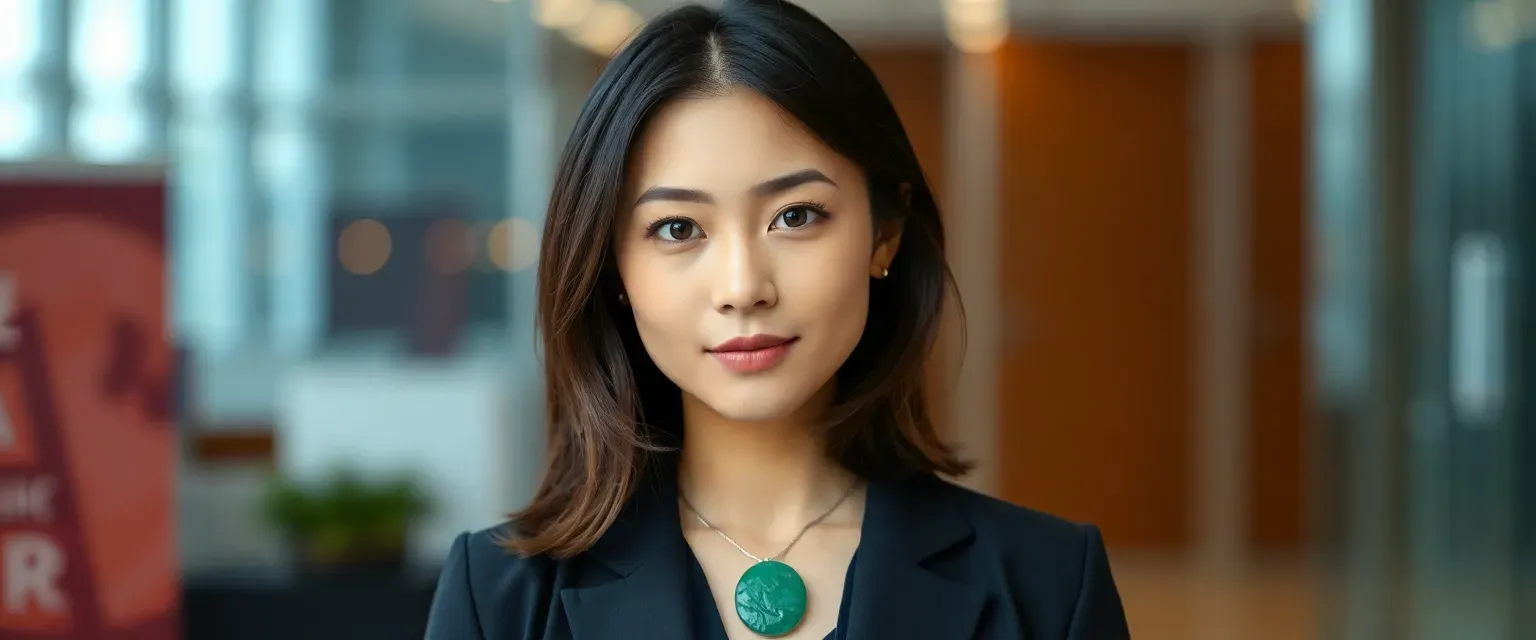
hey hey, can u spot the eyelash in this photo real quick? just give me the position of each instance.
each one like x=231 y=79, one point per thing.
x=654 y=228
x=817 y=207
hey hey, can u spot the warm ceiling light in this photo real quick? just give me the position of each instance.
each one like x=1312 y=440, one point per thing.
x=513 y=244
x=1304 y=8
x=561 y=14
x=606 y=27
x=1495 y=24
x=363 y=247
x=976 y=26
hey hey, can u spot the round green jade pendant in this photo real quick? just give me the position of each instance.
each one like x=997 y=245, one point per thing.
x=770 y=598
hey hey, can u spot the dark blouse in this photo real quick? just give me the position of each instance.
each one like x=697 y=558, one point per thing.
x=706 y=616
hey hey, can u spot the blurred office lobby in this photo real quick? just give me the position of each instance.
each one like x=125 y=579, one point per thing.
x=1254 y=275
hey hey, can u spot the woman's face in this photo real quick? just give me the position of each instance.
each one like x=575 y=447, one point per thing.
x=746 y=250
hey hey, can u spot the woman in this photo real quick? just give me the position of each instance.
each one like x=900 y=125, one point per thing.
x=742 y=274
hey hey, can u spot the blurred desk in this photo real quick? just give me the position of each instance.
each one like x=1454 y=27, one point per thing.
x=271 y=603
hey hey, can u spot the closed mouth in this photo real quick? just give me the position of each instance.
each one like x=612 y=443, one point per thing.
x=751 y=343
x=753 y=355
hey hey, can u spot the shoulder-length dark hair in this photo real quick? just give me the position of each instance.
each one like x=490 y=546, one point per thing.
x=611 y=412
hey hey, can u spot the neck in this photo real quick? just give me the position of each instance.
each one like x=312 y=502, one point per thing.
x=760 y=480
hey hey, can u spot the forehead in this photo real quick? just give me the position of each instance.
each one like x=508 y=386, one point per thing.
x=728 y=142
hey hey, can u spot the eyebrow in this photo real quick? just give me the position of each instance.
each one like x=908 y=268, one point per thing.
x=771 y=187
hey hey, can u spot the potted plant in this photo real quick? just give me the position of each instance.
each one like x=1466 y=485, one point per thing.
x=346 y=523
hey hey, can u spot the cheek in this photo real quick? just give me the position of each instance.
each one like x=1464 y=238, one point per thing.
x=659 y=323
x=665 y=313
x=831 y=287
x=650 y=299
x=831 y=290
x=837 y=270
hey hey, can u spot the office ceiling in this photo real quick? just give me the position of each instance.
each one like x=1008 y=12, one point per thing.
x=919 y=20
x=925 y=18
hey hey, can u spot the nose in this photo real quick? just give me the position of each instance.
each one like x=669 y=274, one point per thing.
x=744 y=279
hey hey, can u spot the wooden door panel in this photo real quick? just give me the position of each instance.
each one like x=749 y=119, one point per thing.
x=1095 y=226
x=1277 y=205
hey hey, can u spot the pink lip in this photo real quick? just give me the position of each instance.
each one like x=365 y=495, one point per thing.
x=753 y=353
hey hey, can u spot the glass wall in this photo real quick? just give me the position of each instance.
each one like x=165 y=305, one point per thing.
x=1425 y=192
x=1466 y=420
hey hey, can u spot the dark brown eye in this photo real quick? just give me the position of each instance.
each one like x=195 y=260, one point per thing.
x=677 y=230
x=796 y=217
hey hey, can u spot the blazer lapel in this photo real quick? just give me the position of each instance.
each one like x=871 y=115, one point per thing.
x=894 y=596
x=647 y=598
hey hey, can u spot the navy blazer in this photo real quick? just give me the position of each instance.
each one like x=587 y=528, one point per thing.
x=936 y=562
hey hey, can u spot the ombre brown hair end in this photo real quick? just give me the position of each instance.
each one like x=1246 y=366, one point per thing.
x=613 y=417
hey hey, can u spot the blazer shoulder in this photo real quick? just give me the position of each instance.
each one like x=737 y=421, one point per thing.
x=483 y=585
x=493 y=566
x=1059 y=567
x=996 y=520
x=1049 y=552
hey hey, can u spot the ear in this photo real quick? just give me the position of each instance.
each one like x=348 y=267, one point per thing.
x=888 y=235
x=887 y=241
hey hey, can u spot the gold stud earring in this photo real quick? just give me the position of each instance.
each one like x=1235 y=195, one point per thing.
x=884 y=272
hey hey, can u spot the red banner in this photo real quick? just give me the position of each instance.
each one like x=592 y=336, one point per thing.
x=87 y=444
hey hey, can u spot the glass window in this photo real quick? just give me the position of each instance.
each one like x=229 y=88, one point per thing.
x=21 y=47
x=110 y=57
x=282 y=121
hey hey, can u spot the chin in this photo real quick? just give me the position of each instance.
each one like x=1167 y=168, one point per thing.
x=761 y=411
x=757 y=402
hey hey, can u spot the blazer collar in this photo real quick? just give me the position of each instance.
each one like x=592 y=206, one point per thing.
x=645 y=549
x=894 y=596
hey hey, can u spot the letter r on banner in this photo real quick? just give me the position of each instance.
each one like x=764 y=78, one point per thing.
x=31 y=583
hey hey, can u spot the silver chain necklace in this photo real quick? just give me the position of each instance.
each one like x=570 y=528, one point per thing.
x=787 y=547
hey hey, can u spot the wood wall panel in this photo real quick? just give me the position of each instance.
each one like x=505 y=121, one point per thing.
x=1277 y=187
x=1095 y=226
x=913 y=77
